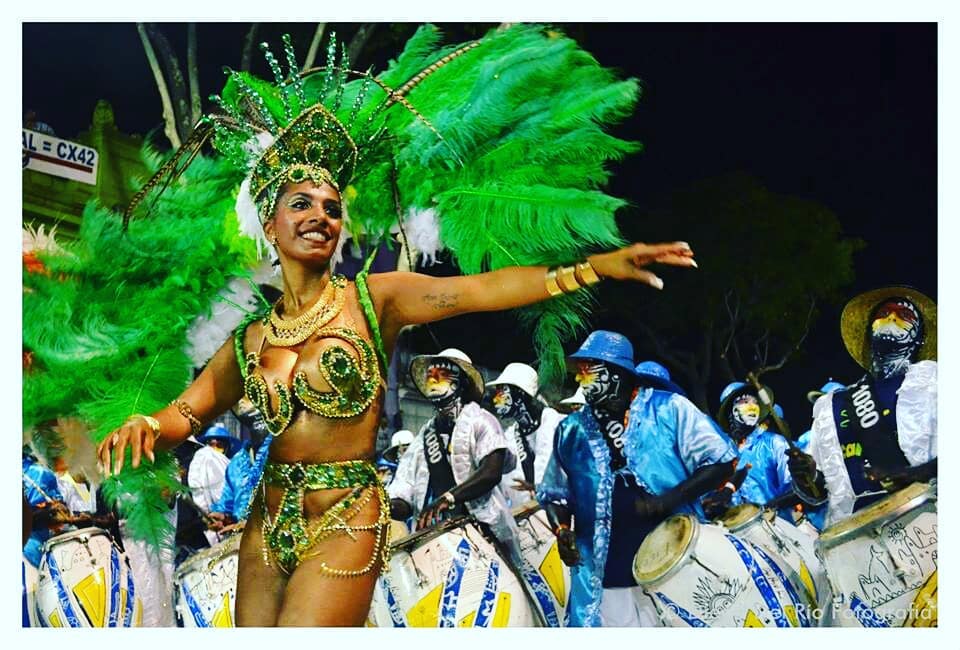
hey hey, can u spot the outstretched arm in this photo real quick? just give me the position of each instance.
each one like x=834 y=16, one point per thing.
x=412 y=298
x=218 y=387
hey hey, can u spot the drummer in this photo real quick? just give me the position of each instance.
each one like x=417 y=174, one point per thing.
x=241 y=478
x=455 y=463
x=532 y=424
x=399 y=442
x=43 y=494
x=619 y=474
x=762 y=451
x=879 y=434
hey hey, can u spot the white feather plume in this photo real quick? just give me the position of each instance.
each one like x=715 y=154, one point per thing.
x=209 y=331
x=423 y=233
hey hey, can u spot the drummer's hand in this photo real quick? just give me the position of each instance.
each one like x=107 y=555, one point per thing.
x=233 y=528
x=217 y=520
x=655 y=506
x=432 y=514
x=567 y=546
x=803 y=468
x=135 y=433
x=717 y=502
x=520 y=485
x=627 y=263
x=891 y=481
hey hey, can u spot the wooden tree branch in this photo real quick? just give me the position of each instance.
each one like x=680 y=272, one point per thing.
x=358 y=41
x=796 y=346
x=733 y=313
x=169 y=119
x=177 y=85
x=314 y=46
x=248 y=44
x=192 y=73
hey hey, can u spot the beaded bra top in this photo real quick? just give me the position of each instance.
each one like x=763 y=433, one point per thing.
x=355 y=379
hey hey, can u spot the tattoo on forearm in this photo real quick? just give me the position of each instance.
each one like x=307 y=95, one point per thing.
x=442 y=300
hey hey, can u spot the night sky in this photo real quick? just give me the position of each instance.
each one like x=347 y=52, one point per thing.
x=843 y=114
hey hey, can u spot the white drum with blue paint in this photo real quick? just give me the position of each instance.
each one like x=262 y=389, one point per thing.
x=791 y=545
x=28 y=603
x=882 y=561
x=205 y=592
x=449 y=576
x=701 y=575
x=85 y=581
x=546 y=576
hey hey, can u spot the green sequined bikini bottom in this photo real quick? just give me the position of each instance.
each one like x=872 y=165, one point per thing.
x=288 y=538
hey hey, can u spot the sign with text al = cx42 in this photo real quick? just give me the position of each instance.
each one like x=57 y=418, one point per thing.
x=50 y=155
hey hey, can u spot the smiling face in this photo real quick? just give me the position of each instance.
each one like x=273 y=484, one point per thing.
x=442 y=381
x=306 y=223
x=503 y=401
x=603 y=384
x=746 y=411
x=895 y=322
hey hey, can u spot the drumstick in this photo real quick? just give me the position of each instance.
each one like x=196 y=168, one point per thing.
x=765 y=398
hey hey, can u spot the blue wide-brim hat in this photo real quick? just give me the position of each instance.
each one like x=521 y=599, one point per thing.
x=220 y=433
x=610 y=347
x=732 y=392
x=658 y=377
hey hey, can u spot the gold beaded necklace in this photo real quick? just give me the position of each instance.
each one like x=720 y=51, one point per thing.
x=285 y=333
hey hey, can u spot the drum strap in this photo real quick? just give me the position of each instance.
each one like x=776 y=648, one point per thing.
x=867 y=431
x=438 y=463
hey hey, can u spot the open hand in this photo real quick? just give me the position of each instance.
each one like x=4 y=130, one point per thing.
x=135 y=433
x=520 y=486
x=433 y=513
x=717 y=502
x=628 y=263
x=803 y=468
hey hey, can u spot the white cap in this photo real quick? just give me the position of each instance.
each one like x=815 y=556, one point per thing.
x=520 y=375
x=576 y=398
x=401 y=437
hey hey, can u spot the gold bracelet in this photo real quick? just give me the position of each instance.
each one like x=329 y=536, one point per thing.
x=551 y=280
x=195 y=425
x=586 y=274
x=152 y=422
x=567 y=278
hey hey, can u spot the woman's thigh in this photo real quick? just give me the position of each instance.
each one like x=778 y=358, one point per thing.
x=316 y=597
x=259 y=586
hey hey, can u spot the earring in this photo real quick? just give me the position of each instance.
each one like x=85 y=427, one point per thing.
x=274 y=240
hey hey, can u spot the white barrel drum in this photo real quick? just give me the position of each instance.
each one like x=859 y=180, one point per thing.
x=793 y=546
x=85 y=581
x=546 y=576
x=449 y=576
x=882 y=561
x=205 y=591
x=28 y=603
x=701 y=575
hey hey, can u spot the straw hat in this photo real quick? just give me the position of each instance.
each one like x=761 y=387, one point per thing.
x=854 y=321
x=474 y=388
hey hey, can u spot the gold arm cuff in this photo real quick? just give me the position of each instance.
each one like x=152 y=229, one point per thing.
x=195 y=425
x=551 y=282
x=567 y=277
x=586 y=274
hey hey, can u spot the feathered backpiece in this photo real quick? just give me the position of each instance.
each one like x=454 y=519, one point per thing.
x=499 y=142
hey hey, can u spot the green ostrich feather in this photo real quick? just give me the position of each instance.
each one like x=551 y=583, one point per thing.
x=108 y=325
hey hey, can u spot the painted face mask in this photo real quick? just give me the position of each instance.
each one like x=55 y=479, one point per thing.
x=443 y=381
x=602 y=384
x=504 y=404
x=746 y=411
x=896 y=333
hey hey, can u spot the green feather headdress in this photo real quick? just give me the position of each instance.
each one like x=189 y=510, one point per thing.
x=494 y=150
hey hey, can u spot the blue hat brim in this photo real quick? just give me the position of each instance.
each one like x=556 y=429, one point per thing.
x=661 y=383
x=571 y=362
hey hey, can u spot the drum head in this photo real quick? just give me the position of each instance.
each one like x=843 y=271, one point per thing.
x=663 y=549
x=83 y=533
x=875 y=514
x=739 y=516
